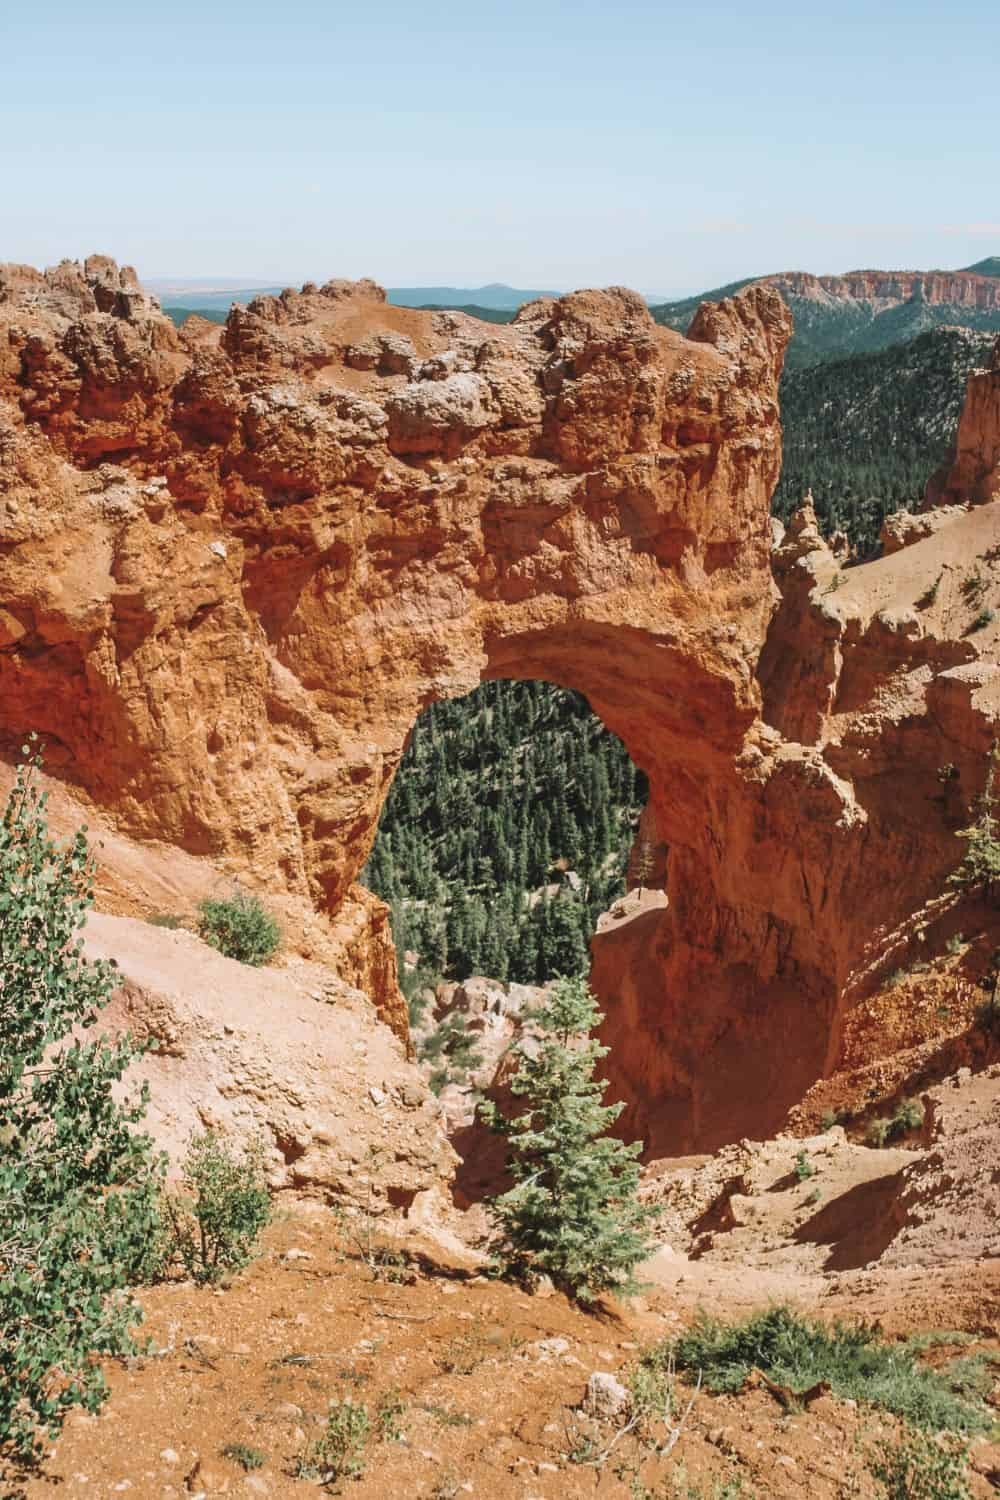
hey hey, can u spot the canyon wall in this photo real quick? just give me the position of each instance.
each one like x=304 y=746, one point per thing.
x=880 y=290
x=237 y=562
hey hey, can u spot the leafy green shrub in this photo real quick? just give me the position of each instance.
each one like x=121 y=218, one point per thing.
x=908 y=1115
x=240 y=927
x=799 y=1353
x=985 y=617
x=215 y=1225
x=340 y=1452
x=573 y=1211
x=390 y=1415
x=919 y=1467
x=247 y=1458
x=78 y=1186
x=804 y=1168
x=955 y=943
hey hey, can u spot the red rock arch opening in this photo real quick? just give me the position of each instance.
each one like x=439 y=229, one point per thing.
x=237 y=562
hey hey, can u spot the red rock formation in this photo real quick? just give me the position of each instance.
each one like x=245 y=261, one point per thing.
x=885 y=289
x=972 y=471
x=237 y=563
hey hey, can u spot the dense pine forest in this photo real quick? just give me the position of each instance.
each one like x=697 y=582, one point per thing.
x=866 y=433
x=506 y=834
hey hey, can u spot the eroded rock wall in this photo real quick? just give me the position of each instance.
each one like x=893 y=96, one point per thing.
x=237 y=562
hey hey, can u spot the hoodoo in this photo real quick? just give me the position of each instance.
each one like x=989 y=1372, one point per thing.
x=236 y=562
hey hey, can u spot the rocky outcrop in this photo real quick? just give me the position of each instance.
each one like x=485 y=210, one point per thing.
x=290 y=1056
x=971 y=472
x=237 y=562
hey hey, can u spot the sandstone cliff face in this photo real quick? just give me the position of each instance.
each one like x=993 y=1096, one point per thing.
x=884 y=289
x=972 y=470
x=237 y=562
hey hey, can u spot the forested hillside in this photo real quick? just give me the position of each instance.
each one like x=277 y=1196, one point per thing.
x=506 y=833
x=830 y=328
x=866 y=433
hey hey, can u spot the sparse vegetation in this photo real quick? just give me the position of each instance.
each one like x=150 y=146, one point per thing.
x=340 y=1452
x=573 y=1212
x=985 y=617
x=804 y=1168
x=929 y=596
x=214 y=1225
x=78 y=1184
x=247 y=1458
x=980 y=868
x=920 y=1467
x=799 y=1354
x=453 y=1049
x=390 y=1414
x=973 y=585
x=955 y=943
x=168 y=919
x=908 y=1115
x=240 y=927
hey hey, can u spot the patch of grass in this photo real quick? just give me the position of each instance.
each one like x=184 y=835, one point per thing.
x=799 y=1353
x=935 y=1337
x=919 y=1467
x=240 y=927
x=168 y=919
x=247 y=1458
x=971 y=1375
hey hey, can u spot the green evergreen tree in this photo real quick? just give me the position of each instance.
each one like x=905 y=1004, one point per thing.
x=573 y=1212
x=980 y=868
x=78 y=1186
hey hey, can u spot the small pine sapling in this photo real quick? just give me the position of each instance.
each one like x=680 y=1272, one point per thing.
x=980 y=868
x=573 y=1212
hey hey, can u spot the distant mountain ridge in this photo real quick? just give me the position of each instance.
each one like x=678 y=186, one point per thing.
x=497 y=296
x=864 y=311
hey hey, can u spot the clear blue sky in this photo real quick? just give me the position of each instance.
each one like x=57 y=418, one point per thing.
x=668 y=146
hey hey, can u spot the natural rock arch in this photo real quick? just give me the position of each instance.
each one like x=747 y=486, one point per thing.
x=238 y=561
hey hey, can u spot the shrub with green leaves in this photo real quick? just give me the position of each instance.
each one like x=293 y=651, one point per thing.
x=908 y=1115
x=920 y=1467
x=798 y=1353
x=241 y=927
x=78 y=1184
x=216 y=1223
x=339 y=1453
x=573 y=1211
